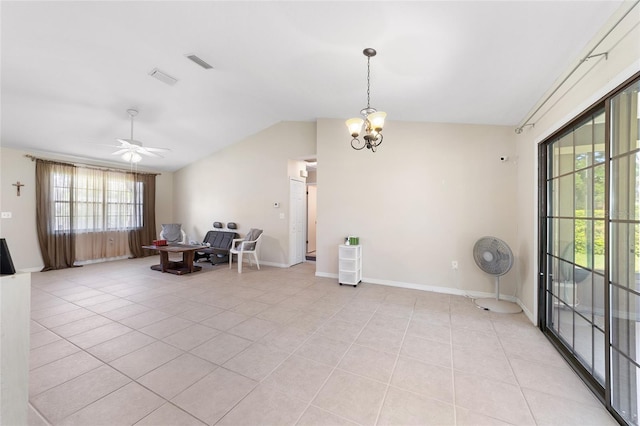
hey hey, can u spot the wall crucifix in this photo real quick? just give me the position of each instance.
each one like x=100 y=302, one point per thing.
x=18 y=185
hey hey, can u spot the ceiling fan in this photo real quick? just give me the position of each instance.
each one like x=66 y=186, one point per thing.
x=130 y=149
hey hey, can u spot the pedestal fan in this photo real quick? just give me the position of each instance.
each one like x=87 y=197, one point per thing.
x=494 y=257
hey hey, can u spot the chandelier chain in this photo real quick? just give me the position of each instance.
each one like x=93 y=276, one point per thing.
x=368 y=80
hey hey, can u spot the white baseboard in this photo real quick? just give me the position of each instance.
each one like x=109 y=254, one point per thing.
x=276 y=264
x=424 y=287
x=527 y=312
x=281 y=265
x=33 y=269
x=438 y=289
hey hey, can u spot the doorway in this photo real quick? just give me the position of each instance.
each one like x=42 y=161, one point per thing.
x=297 y=215
x=312 y=194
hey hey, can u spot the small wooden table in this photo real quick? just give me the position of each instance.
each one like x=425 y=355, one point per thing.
x=178 y=268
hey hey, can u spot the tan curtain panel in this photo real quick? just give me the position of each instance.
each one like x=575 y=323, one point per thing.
x=144 y=233
x=54 y=219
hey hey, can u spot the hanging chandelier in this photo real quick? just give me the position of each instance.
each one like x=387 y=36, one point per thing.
x=373 y=120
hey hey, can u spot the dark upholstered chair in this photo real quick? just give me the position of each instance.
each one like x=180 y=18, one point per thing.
x=219 y=243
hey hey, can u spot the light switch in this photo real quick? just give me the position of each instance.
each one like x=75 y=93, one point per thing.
x=281 y=215
x=6 y=215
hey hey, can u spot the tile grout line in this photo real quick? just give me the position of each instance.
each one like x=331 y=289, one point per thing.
x=333 y=369
x=395 y=364
x=514 y=373
x=315 y=333
x=453 y=370
x=258 y=383
x=131 y=379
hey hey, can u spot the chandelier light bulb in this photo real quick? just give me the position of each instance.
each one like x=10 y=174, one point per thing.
x=355 y=126
x=377 y=120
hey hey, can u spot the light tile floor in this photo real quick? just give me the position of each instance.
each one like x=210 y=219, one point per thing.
x=119 y=344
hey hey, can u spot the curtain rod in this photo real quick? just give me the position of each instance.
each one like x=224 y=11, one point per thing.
x=88 y=166
x=588 y=56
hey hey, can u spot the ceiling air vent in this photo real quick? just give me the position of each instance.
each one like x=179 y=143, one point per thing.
x=199 y=61
x=163 y=77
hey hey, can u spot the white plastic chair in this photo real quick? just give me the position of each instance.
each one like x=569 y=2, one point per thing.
x=242 y=246
x=183 y=236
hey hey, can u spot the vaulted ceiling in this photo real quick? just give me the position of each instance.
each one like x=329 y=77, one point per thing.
x=70 y=70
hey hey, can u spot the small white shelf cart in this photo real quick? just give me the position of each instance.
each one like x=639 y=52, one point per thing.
x=349 y=264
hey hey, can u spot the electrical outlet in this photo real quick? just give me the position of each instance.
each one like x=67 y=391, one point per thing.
x=454 y=264
x=6 y=215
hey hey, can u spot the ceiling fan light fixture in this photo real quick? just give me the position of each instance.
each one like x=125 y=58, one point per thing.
x=131 y=157
x=131 y=149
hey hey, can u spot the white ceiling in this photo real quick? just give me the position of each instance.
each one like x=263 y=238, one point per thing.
x=70 y=70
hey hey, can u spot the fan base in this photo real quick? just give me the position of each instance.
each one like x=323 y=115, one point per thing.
x=498 y=306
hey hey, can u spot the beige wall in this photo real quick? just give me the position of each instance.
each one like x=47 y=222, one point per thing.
x=591 y=82
x=240 y=184
x=419 y=203
x=20 y=230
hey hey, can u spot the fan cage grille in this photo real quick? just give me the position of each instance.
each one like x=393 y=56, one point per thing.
x=493 y=256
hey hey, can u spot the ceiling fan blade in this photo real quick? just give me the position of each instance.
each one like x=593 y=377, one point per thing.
x=121 y=151
x=124 y=142
x=144 y=151
x=157 y=149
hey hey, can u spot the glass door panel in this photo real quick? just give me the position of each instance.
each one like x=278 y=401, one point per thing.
x=584 y=341
x=565 y=154
x=624 y=266
x=599 y=138
x=584 y=193
x=583 y=139
x=576 y=222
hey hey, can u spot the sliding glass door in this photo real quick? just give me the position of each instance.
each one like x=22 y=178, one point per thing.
x=625 y=253
x=590 y=247
x=575 y=248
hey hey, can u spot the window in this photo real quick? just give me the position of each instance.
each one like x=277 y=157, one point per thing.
x=91 y=200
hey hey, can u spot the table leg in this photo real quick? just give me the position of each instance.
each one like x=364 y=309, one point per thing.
x=164 y=260
x=187 y=259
